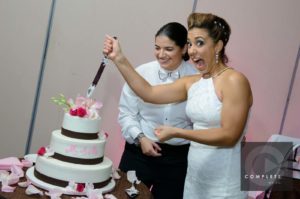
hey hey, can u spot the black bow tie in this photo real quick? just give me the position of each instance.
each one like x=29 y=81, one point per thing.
x=163 y=75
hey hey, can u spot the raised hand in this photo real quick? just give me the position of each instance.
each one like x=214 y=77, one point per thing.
x=164 y=133
x=111 y=48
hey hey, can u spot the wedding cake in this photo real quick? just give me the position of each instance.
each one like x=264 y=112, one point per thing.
x=74 y=160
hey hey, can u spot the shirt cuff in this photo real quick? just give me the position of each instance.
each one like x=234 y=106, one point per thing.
x=133 y=133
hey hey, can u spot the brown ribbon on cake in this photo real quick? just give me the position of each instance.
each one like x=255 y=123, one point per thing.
x=77 y=160
x=62 y=183
x=77 y=135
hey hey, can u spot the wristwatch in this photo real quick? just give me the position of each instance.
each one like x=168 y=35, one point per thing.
x=137 y=139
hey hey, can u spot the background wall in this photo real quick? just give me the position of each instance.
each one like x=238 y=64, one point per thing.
x=22 y=35
x=263 y=45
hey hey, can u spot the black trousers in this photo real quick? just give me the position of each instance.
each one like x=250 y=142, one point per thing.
x=165 y=174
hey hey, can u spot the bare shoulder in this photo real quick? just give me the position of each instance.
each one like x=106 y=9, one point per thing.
x=235 y=82
x=234 y=77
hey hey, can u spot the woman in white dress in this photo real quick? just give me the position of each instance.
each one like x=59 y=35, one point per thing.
x=218 y=102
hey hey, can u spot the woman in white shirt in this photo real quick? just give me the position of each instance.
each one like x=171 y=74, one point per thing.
x=162 y=167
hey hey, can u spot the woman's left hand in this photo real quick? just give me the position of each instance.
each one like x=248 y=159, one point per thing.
x=164 y=133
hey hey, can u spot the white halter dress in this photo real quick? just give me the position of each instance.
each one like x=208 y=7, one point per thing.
x=213 y=172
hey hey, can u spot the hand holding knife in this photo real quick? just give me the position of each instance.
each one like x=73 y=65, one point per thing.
x=97 y=77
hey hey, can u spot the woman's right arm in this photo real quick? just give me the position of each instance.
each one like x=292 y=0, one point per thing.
x=162 y=94
x=129 y=114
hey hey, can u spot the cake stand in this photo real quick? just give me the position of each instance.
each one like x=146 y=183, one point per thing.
x=37 y=182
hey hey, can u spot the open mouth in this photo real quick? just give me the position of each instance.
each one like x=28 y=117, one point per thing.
x=199 y=63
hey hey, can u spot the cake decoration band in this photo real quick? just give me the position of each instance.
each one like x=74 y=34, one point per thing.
x=77 y=135
x=77 y=160
x=62 y=183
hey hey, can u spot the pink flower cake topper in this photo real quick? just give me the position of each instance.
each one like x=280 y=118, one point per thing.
x=81 y=107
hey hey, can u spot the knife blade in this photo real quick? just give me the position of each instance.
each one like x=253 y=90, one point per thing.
x=96 y=78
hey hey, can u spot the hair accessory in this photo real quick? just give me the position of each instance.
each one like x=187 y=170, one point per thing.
x=222 y=27
x=219 y=24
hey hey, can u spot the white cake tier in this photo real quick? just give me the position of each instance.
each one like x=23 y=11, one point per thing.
x=77 y=148
x=81 y=125
x=74 y=172
x=47 y=186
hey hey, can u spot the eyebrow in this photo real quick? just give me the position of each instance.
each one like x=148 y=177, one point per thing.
x=200 y=37
x=164 y=46
x=196 y=38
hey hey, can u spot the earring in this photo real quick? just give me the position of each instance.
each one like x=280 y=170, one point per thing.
x=217 y=58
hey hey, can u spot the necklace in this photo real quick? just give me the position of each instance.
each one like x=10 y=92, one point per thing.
x=220 y=72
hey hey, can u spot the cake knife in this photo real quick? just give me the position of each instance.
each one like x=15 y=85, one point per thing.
x=97 y=77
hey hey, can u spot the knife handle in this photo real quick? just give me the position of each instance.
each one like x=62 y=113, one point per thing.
x=99 y=73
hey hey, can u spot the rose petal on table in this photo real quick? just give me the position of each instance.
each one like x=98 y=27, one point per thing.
x=13 y=179
x=6 y=163
x=7 y=188
x=109 y=196
x=94 y=194
x=3 y=175
x=24 y=184
x=132 y=191
x=115 y=174
x=16 y=170
x=27 y=163
x=31 y=190
x=55 y=193
x=131 y=177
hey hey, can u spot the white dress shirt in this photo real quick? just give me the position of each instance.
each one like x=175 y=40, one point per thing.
x=137 y=116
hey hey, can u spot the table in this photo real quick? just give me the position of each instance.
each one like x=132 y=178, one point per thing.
x=119 y=191
x=292 y=194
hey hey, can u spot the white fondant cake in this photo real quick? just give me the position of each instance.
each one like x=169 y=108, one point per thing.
x=78 y=173
x=71 y=147
x=82 y=125
x=75 y=155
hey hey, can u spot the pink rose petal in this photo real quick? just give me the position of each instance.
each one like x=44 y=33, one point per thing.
x=31 y=190
x=116 y=175
x=27 y=163
x=7 y=188
x=109 y=196
x=55 y=193
x=17 y=171
x=24 y=184
x=12 y=179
